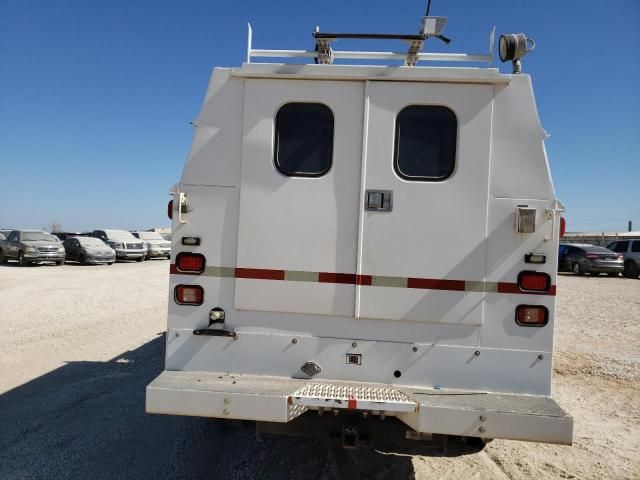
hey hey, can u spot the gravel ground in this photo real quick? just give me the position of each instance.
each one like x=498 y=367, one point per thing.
x=80 y=343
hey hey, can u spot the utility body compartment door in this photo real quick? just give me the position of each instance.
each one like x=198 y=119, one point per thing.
x=297 y=236
x=424 y=259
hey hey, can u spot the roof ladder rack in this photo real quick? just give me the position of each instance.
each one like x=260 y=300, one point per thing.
x=324 y=54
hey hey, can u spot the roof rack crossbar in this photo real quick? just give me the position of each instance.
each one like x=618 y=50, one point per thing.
x=371 y=36
x=324 y=54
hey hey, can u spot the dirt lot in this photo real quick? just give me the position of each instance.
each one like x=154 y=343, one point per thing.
x=79 y=344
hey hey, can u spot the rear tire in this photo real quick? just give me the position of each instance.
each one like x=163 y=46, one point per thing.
x=110 y=263
x=577 y=270
x=595 y=274
x=612 y=274
x=60 y=263
x=140 y=259
x=630 y=270
x=82 y=259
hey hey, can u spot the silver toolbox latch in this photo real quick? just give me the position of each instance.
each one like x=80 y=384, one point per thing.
x=378 y=200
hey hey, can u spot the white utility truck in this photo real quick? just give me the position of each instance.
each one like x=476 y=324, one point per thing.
x=367 y=252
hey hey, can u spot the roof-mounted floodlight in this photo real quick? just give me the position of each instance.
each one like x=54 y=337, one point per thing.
x=433 y=26
x=512 y=47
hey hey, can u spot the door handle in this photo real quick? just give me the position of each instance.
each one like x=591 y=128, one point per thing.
x=378 y=200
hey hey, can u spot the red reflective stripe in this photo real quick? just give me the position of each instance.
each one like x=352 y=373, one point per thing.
x=505 y=287
x=435 y=284
x=260 y=273
x=326 y=277
x=366 y=280
x=352 y=403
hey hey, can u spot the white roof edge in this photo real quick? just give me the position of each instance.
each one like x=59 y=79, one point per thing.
x=371 y=72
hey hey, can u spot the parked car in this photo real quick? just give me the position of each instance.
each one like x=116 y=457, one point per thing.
x=127 y=246
x=630 y=251
x=89 y=250
x=31 y=246
x=584 y=258
x=64 y=235
x=562 y=252
x=157 y=246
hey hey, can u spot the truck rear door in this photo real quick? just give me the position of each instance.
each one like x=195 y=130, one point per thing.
x=299 y=196
x=423 y=203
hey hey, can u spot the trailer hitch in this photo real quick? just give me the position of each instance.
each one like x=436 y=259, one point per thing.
x=350 y=436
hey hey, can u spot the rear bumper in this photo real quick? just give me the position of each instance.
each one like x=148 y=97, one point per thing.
x=606 y=268
x=281 y=399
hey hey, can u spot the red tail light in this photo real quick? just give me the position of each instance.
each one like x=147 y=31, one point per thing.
x=532 y=315
x=534 y=281
x=563 y=226
x=190 y=262
x=592 y=256
x=188 y=294
x=170 y=209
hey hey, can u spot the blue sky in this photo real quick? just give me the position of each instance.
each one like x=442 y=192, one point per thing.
x=96 y=97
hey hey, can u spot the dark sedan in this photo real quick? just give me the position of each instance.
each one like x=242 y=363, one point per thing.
x=582 y=258
x=89 y=250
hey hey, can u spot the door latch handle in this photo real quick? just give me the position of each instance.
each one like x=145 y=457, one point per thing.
x=378 y=200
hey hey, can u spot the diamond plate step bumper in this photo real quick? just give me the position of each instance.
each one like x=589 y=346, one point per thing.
x=353 y=397
x=281 y=399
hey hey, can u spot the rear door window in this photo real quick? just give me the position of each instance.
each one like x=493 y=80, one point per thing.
x=635 y=246
x=304 y=140
x=622 y=247
x=425 y=143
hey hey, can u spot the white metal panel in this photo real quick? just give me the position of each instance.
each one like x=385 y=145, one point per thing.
x=436 y=229
x=214 y=158
x=223 y=396
x=220 y=292
x=295 y=297
x=506 y=250
x=519 y=161
x=515 y=417
x=276 y=354
x=293 y=223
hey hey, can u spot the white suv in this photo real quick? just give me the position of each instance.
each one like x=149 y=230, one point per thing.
x=630 y=249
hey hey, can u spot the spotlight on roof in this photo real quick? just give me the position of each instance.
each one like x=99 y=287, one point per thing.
x=513 y=46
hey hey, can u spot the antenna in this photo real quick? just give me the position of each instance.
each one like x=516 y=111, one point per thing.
x=428 y=8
